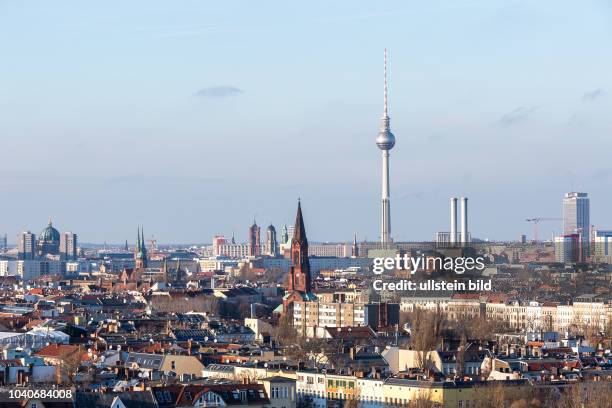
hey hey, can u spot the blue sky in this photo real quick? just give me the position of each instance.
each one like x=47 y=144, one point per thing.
x=191 y=117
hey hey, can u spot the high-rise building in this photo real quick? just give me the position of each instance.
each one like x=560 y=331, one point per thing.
x=284 y=234
x=254 y=239
x=576 y=219
x=68 y=246
x=26 y=246
x=217 y=242
x=385 y=142
x=271 y=242
x=567 y=248
x=602 y=244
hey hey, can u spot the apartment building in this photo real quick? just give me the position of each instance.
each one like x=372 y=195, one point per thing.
x=584 y=311
x=312 y=318
x=280 y=391
x=324 y=390
x=314 y=314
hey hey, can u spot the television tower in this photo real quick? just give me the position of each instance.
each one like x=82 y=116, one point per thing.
x=385 y=142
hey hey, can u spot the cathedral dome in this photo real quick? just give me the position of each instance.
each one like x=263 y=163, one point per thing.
x=49 y=234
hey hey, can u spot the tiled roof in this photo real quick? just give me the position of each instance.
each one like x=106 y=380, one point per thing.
x=56 y=350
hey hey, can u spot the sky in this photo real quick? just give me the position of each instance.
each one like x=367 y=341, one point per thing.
x=191 y=118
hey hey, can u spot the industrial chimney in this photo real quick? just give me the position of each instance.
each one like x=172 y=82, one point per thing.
x=453 y=226
x=464 y=220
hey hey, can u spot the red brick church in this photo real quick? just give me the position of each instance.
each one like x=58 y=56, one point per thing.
x=299 y=280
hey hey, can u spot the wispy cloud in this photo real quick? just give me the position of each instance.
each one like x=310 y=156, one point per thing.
x=594 y=94
x=220 y=91
x=518 y=115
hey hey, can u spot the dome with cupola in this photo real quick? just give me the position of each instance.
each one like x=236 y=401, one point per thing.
x=49 y=240
x=50 y=234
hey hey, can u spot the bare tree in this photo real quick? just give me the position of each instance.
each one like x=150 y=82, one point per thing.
x=333 y=349
x=69 y=366
x=592 y=395
x=423 y=401
x=426 y=333
x=284 y=333
x=461 y=357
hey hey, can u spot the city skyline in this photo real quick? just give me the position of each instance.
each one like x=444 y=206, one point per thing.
x=135 y=130
x=572 y=213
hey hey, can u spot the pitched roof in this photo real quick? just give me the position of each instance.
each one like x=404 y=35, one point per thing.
x=231 y=394
x=57 y=350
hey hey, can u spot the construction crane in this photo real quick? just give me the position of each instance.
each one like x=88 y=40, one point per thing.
x=537 y=221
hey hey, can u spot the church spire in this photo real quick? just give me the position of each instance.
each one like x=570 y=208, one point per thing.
x=299 y=282
x=140 y=252
x=355 y=247
x=299 y=232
